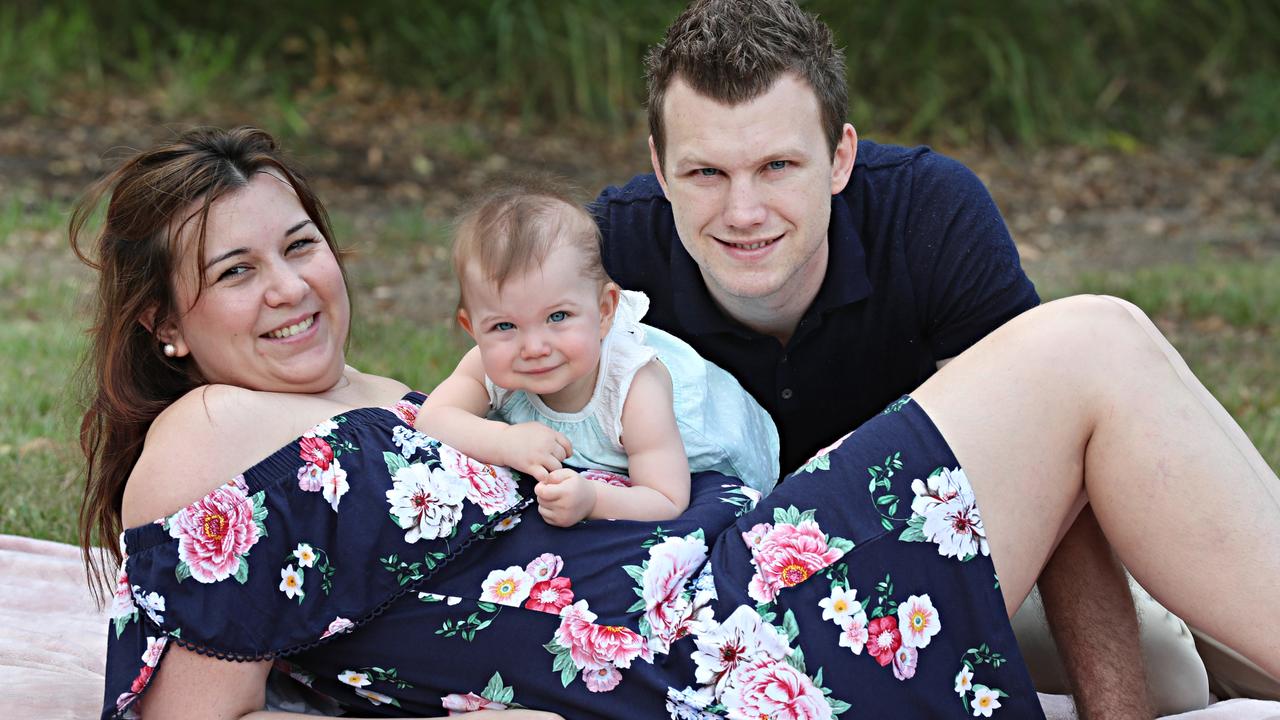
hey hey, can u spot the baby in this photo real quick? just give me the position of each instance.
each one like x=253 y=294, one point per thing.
x=564 y=375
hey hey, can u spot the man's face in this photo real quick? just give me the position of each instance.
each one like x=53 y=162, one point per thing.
x=751 y=187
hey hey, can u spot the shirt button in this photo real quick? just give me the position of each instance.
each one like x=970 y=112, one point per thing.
x=786 y=393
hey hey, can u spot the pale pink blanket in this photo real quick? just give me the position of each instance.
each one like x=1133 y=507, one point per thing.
x=53 y=641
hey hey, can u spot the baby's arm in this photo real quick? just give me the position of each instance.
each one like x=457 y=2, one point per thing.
x=455 y=412
x=655 y=453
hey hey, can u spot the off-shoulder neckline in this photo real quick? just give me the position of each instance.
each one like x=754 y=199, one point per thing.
x=281 y=464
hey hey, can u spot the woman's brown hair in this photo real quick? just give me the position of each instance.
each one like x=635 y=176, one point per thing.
x=152 y=198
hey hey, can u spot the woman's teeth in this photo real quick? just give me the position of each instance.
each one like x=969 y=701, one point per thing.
x=292 y=329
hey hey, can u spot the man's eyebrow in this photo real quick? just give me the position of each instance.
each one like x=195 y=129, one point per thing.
x=240 y=250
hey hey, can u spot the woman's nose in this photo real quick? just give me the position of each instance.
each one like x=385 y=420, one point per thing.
x=286 y=286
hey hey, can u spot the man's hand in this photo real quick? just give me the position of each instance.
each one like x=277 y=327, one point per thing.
x=534 y=449
x=565 y=497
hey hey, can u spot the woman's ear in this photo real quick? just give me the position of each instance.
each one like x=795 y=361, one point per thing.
x=166 y=333
x=609 y=296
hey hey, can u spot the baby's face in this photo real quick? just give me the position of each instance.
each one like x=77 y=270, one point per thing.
x=542 y=332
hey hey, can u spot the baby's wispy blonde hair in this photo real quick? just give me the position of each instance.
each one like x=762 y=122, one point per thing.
x=511 y=230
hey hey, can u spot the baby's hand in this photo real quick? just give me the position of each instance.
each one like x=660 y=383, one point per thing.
x=565 y=497
x=534 y=449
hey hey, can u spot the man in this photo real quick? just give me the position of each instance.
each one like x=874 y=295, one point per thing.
x=831 y=276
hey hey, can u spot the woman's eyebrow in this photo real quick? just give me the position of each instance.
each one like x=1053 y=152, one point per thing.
x=240 y=250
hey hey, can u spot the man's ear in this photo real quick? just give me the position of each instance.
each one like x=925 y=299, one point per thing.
x=464 y=321
x=657 y=167
x=610 y=295
x=842 y=161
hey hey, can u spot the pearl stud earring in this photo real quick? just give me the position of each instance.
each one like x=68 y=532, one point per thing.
x=170 y=350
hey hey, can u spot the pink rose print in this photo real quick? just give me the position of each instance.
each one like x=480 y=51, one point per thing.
x=338 y=626
x=551 y=596
x=545 y=566
x=122 y=601
x=456 y=703
x=787 y=556
x=668 y=611
x=406 y=411
x=144 y=677
x=315 y=451
x=904 y=662
x=884 y=639
x=775 y=690
x=214 y=532
x=602 y=679
x=591 y=645
x=492 y=488
x=606 y=477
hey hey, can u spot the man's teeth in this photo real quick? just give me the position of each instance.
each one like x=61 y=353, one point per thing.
x=756 y=246
x=292 y=329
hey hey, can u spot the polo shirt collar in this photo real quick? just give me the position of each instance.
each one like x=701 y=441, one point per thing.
x=846 y=280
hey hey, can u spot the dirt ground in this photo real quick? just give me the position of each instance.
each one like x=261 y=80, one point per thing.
x=1070 y=209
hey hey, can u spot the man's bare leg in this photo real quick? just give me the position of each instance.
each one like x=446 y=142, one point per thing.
x=1093 y=622
x=1082 y=398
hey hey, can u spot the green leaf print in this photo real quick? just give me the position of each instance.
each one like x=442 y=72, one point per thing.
x=183 y=571
x=394 y=461
x=242 y=570
x=788 y=516
x=790 y=627
x=124 y=620
x=914 y=532
x=839 y=543
x=819 y=462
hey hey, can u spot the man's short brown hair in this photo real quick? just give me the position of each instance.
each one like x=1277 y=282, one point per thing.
x=512 y=229
x=734 y=50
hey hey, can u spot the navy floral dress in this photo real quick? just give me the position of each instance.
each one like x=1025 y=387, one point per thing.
x=389 y=575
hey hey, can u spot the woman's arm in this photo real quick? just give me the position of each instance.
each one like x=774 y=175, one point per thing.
x=455 y=412
x=656 y=458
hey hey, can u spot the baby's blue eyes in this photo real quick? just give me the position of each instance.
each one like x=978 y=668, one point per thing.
x=558 y=316
x=504 y=326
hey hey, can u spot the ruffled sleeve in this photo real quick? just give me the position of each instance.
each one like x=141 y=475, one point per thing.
x=313 y=541
x=624 y=353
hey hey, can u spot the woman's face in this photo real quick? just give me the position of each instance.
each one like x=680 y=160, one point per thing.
x=274 y=312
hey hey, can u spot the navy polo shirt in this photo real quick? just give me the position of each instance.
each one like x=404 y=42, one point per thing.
x=921 y=266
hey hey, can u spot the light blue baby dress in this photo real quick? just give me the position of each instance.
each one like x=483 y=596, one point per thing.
x=723 y=427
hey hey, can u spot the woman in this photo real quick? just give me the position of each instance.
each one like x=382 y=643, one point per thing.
x=280 y=507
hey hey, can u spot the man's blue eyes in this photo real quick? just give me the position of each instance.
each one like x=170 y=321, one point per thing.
x=777 y=164
x=708 y=172
x=772 y=165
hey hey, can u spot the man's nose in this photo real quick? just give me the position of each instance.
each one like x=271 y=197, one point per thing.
x=744 y=207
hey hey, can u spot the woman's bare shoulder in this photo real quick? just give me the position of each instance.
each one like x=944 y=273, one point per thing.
x=215 y=432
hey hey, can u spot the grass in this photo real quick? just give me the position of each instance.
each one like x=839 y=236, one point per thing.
x=1220 y=314
x=1021 y=70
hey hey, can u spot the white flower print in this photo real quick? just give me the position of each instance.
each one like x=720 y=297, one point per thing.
x=985 y=700
x=409 y=440
x=855 y=634
x=918 y=621
x=742 y=638
x=427 y=503
x=333 y=484
x=306 y=555
x=690 y=704
x=291 y=582
x=155 y=648
x=841 y=606
x=704 y=587
x=323 y=428
x=152 y=604
x=353 y=678
x=951 y=518
x=964 y=680
x=376 y=698
x=506 y=523
x=507 y=587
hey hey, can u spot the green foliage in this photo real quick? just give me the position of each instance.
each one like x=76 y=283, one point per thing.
x=1024 y=70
